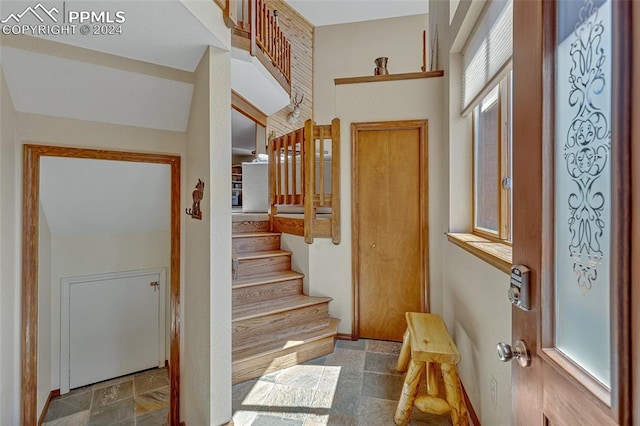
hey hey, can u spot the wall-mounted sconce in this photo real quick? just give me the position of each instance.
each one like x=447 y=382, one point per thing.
x=294 y=115
x=197 y=194
x=275 y=16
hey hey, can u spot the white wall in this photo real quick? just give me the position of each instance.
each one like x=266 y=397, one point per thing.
x=473 y=298
x=44 y=311
x=88 y=254
x=33 y=128
x=10 y=228
x=206 y=396
x=330 y=265
x=348 y=50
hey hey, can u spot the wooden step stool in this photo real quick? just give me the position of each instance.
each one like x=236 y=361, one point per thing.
x=427 y=343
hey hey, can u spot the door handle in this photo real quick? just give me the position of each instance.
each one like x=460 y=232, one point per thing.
x=519 y=351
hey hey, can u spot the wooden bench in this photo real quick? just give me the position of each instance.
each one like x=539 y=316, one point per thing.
x=427 y=344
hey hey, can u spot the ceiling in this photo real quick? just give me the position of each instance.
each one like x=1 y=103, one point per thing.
x=166 y=33
x=49 y=85
x=330 y=12
x=83 y=196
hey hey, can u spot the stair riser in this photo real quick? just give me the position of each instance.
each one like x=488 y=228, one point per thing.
x=261 y=329
x=261 y=243
x=265 y=265
x=250 y=369
x=269 y=291
x=250 y=226
x=291 y=333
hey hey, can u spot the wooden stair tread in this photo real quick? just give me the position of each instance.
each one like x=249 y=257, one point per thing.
x=267 y=279
x=289 y=342
x=282 y=304
x=262 y=254
x=255 y=234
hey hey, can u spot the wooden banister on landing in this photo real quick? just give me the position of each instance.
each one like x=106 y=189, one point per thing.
x=257 y=26
x=304 y=177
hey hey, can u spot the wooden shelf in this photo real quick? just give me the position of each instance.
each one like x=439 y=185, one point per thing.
x=388 y=77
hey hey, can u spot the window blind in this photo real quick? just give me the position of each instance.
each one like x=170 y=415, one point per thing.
x=488 y=49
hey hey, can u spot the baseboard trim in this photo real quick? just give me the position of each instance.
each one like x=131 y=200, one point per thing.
x=344 y=336
x=52 y=394
x=472 y=413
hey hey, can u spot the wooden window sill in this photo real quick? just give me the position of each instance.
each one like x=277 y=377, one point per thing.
x=388 y=77
x=494 y=253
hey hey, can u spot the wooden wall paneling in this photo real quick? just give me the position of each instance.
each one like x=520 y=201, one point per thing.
x=299 y=32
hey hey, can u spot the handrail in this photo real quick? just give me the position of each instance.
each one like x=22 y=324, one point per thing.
x=304 y=172
x=256 y=21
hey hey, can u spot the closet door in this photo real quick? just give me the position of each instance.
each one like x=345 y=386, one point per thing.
x=390 y=227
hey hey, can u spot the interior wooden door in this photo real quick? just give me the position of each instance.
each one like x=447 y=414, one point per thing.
x=571 y=211
x=389 y=226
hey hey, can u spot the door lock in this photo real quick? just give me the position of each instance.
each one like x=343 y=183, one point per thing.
x=519 y=351
x=520 y=287
x=155 y=285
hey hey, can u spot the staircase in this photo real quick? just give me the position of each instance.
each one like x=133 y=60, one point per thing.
x=274 y=324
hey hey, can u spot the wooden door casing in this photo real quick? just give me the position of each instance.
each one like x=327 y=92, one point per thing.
x=554 y=389
x=389 y=202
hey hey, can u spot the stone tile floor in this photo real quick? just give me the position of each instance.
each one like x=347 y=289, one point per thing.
x=140 y=399
x=356 y=385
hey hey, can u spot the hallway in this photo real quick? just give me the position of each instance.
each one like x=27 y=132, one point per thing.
x=356 y=385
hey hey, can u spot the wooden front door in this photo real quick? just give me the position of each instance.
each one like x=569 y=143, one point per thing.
x=571 y=211
x=389 y=193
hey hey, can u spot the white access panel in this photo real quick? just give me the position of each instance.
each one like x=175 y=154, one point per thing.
x=112 y=325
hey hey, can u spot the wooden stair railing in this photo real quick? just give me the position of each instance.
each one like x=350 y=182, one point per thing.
x=299 y=167
x=253 y=20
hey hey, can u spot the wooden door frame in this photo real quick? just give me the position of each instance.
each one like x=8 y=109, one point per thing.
x=533 y=234
x=31 y=198
x=356 y=128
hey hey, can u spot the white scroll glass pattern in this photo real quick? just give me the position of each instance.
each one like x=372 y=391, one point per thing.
x=583 y=184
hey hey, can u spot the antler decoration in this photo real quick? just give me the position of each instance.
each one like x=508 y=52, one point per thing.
x=293 y=116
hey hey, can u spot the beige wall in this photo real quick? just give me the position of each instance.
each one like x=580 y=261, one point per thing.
x=44 y=311
x=348 y=50
x=206 y=396
x=300 y=258
x=330 y=265
x=474 y=302
x=89 y=254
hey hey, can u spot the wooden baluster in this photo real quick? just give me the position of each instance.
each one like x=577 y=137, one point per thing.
x=294 y=176
x=270 y=50
x=263 y=24
x=321 y=177
x=309 y=216
x=303 y=165
x=287 y=141
x=278 y=172
x=288 y=65
x=272 y=165
x=335 y=181
x=280 y=45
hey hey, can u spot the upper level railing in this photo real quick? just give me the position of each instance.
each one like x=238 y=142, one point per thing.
x=304 y=177
x=257 y=24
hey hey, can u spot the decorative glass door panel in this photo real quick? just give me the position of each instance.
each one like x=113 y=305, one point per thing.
x=582 y=208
